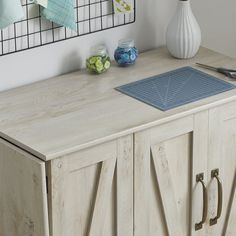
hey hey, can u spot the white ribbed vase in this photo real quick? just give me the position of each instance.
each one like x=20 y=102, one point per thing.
x=183 y=37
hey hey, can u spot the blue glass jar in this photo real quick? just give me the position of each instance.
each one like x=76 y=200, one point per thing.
x=126 y=53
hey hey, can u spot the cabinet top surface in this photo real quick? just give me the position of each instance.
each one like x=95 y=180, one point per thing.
x=64 y=114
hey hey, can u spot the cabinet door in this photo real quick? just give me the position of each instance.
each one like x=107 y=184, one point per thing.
x=167 y=160
x=222 y=157
x=91 y=191
x=23 y=195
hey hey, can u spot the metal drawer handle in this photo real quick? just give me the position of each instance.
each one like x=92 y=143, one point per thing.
x=215 y=174
x=199 y=179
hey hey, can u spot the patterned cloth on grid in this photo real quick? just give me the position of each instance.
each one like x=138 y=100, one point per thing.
x=61 y=12
x=43 y=3
x=123 y=6
x=10 y=12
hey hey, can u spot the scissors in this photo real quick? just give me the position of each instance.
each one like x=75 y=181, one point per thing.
x=228 y=72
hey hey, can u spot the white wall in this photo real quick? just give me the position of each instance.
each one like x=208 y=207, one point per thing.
x=47 y=61
x=216 y=17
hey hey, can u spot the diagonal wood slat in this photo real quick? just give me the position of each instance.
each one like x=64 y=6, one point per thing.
x=166 y=188
x=102 y=196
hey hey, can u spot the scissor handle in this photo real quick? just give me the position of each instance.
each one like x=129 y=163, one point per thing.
x=227 y=72
x=221 y=69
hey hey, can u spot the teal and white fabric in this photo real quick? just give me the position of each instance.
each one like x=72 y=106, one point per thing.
x=10 y=12
x=43 y=3
x=61 y=12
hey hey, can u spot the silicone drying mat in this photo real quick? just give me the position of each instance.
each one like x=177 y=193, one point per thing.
x=175 y=88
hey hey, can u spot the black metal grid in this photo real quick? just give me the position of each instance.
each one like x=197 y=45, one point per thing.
x=33 y=31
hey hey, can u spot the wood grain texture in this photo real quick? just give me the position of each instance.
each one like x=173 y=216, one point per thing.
x=102 y=196
x=199 y=165
x=222 y=149
x=68 y=113
x=162 y=200
x=125 y=186
x=166 y=189
x=142 y=185
x=230 y=229
x=23 y=196
x=96 y=197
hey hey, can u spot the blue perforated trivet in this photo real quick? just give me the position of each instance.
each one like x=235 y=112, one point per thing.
x=175 y=88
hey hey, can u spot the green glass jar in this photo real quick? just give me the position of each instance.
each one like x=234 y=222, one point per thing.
x=99 y=60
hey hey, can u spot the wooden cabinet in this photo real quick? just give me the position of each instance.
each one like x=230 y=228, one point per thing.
x=222 y=157
x=169 y=197
x=166 y=165
x=77 y=158
x=91 y=191
x=162 y=184
x=158 y=181
x=23 y=195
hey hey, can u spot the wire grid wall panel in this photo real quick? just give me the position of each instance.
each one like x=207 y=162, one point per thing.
x=35 y=31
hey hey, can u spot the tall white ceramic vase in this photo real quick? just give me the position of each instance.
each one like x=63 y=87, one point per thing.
x=183 y=37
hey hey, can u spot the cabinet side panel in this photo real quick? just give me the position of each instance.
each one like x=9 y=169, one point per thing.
x=23 y=198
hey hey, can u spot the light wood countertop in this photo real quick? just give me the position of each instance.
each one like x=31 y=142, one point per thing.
x=64 y=114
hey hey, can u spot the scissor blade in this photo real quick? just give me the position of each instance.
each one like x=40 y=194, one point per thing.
x=208 y=67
